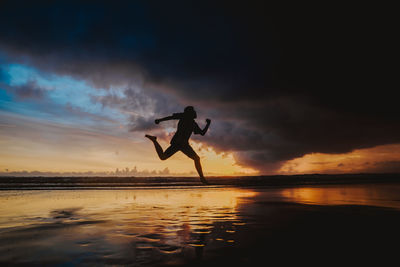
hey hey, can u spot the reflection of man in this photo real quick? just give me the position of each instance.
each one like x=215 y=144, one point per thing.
x=200 y=247
x=180 y=141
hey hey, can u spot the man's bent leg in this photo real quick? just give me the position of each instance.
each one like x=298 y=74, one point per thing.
x=161 y=154
x=170 y=151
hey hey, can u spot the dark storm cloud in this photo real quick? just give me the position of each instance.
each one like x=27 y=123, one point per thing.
x=279 y=82
x=29 y=90
x=139 y=123
x=142 y=107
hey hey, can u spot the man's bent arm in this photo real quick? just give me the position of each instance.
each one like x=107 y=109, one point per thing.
x=203 y=132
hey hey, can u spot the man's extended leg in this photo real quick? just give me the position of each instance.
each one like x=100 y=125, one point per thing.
x=197 y=164
x=161 y=154
x=188 y=151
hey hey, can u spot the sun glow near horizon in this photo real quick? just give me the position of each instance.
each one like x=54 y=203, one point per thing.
x=376 y=159
x=54 y=148
x=222 y=163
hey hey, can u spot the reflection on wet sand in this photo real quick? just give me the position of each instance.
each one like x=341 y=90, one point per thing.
x=141 y=226
x=187 y=225
x=384 y=195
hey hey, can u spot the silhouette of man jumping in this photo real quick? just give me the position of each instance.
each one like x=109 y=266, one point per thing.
x=180 y=141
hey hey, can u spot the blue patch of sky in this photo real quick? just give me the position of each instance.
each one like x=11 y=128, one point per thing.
x=4 y=96
x=61 y=92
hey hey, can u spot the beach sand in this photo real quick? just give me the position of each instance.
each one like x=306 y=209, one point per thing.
x=202 y=226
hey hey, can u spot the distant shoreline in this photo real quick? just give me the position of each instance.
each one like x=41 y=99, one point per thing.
x=10 y=183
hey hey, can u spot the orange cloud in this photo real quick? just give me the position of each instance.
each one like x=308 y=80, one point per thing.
x=385 y=158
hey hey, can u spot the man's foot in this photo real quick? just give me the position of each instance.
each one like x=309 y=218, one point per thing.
x=152 y=138
x=203 y=180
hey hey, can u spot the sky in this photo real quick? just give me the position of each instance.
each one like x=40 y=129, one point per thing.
x=289 y=88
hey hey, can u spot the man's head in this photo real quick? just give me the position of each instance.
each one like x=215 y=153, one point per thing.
x=190 y=112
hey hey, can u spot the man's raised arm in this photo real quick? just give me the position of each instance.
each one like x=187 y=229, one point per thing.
x=157 y=121
x=174 y=116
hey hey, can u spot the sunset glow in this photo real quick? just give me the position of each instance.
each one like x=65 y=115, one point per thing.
x=82 y=150
x=377 y=159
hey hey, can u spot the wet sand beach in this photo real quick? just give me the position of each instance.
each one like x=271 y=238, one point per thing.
x=201 y=226
x=94 y=182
